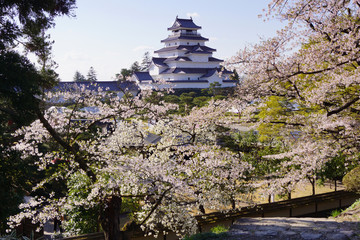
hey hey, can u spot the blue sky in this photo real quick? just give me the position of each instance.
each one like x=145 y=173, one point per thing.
x=111 y=34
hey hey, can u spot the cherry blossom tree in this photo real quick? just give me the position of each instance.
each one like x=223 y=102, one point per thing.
x=313 y=65
x=102 y=139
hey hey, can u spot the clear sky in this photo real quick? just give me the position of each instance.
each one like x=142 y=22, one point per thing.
x=112 y=34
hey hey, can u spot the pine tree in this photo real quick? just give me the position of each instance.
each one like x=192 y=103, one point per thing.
x=235 y=77
x=145 y=64
x=78 y=77
x=91 y=76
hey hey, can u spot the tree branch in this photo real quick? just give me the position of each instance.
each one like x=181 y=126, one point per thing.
x=78 y=158
x=335 y=111
x=156 y=205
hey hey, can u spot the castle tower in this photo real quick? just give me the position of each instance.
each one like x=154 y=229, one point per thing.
x=185 y=61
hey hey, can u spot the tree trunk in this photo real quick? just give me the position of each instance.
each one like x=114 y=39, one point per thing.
x=313 y=186
x=111 y=219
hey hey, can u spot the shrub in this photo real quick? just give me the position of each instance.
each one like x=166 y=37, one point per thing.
x=217 y=233
x=207 y=236
x=336 y=213
x=219 y=229
x=352 y=180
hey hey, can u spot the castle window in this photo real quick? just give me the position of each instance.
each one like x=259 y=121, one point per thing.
x=187 y=43
x=188 y=78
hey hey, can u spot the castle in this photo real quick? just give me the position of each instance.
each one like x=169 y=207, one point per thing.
x=184 y=61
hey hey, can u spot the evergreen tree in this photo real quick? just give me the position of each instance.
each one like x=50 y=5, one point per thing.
x=135 y=67
x=145 y=64
x=78 y=77
x=235 y=76
x=91 y=76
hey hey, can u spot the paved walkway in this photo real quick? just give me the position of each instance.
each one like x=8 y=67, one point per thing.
x=293 y=229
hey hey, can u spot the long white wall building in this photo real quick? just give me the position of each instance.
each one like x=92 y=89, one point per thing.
x=184 y=61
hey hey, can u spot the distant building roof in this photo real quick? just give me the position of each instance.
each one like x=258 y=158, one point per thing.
x=186 y=48
x=152 y=138
x=208 y=72
x=186 y=70
x=185 y=59
x=143 y=76
x=230 y=81
x=188 y=81
x=212 y=59
x=104 y=85
x=203 y=48
x=181 y=23
x=216 y=70
x=159 y=62
x=188 y=37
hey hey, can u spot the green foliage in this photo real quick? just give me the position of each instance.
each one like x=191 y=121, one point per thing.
x=12 y=236
x=249 y=148
x=28 y=20
x=17 y=177
x=219 y=229
x=335 y=169
x=91 y=75
x=78 y=77
x=80 y=220
x=208 y=236
x=335 y=212
x=146 y=62
x=352 y=180
x=20 y=84
x=235 y=76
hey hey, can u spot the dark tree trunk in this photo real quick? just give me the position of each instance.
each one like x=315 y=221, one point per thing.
x=202 y=209
x=233 y=203
x=335 y=185
x=110 y=221
x=313 y=186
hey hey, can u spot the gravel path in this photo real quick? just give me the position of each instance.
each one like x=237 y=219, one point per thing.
x=293 y=229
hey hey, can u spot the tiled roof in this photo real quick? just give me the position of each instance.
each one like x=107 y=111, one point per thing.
x=143 y=76
x=165 y=49
x=184 y=23
x=104 y=85
x=185 y=59
x=209 y=73
x=212 y=59
x=159 y=62
x=188 y=81
x=203 y=48
x=198 y=52
x=216 y=70
x=230 y=81
x=186 y=70
x=188 y=37
x=186 y=48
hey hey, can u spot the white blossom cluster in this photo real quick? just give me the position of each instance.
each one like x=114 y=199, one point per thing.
x=170 y=179
x=313 y=63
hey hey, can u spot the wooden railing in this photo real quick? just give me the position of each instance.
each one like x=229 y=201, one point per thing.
x=338 y=199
